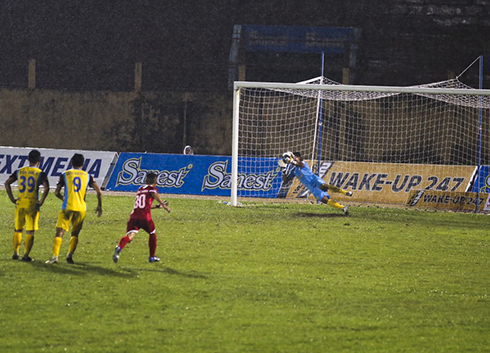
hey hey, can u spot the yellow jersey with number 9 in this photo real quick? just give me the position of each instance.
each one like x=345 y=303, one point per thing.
x=76 y=182
x=29 y=179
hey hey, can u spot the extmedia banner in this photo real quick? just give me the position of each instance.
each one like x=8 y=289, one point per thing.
x=55 y=162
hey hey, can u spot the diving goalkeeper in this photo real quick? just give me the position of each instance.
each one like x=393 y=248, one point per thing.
x=296 y=167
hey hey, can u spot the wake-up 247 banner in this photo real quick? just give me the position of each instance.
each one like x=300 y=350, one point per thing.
x=54 y=162
x=389 y=183
x=192 y=174
x=449 y=200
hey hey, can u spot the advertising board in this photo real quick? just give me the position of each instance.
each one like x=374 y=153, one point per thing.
x=193 y=174
x=54 y=162
x=390 y=182
x=448 y=200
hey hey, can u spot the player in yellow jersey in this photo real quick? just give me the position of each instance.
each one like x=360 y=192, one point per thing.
x=75 y=182
x=27 y=203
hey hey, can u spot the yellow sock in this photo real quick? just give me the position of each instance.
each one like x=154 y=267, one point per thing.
x=17 y=241
x=56 y=246
x=336 y=189
x=335 y=204
x=28 y=243
x=73 y=245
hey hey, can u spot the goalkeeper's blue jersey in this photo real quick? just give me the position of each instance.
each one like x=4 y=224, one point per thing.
x=305 y=176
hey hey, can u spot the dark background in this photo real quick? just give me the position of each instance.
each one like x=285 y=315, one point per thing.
x=82 y=45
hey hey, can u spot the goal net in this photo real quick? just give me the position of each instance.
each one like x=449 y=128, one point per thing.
x=439 y=124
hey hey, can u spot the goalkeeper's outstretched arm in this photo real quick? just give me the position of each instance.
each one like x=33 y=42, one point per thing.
x=285 y=177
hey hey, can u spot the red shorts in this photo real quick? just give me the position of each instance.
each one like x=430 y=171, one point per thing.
x=135 y=224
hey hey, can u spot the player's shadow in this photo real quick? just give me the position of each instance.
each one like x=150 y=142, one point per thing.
x=174 y=272
x=318 y=215
x=81 y=269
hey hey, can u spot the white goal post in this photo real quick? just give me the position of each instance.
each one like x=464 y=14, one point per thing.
x=444 y=123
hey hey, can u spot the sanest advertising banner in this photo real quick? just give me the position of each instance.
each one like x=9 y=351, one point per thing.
x=191 y=174
x=55 y=162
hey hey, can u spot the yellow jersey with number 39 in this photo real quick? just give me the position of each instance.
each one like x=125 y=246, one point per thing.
x=76 y=182
x=29 y=179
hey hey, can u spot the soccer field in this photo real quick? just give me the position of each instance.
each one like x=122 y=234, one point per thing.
x=264 y=277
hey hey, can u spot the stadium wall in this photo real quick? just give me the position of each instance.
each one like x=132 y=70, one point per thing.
x=162 y=122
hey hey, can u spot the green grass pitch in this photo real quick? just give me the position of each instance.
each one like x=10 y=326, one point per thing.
x=266 y=277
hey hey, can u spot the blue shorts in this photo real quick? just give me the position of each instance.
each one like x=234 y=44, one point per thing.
x=320 y=194
x=316 y=191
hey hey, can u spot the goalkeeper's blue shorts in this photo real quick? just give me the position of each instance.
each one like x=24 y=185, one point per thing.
x=316 y=191
x=320 y=194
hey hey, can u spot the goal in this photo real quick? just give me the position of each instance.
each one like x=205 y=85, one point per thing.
x=442 y=124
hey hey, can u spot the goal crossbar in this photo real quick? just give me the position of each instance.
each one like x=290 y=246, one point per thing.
x=361 y=88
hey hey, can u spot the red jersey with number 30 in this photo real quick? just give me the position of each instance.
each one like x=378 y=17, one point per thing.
x=142 y=204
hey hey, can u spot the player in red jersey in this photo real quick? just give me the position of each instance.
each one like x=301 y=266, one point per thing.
x=141 y=218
